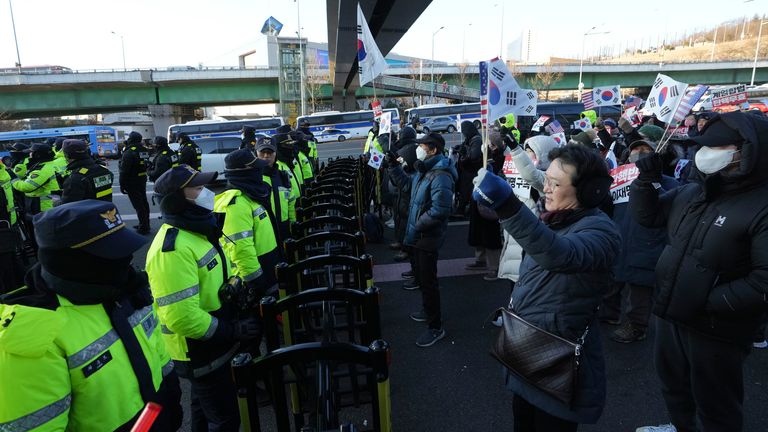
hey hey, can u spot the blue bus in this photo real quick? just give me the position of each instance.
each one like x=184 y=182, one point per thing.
x=102 y=139
x=468 y=111
x=223 y=128
x=352 y=124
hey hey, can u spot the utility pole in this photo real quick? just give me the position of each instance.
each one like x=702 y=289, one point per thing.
x=13 y=24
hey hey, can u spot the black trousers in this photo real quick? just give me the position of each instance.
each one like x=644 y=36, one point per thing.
x=701 y=378
x=214 y=402
x=425 y=270
x=11 y=272
x=137 y=193
x=637 y=300
x=528 y=418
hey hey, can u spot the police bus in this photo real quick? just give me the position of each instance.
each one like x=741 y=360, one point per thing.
x=102 y=139
x=332 y=125
x=223 y=128
x=468 y=111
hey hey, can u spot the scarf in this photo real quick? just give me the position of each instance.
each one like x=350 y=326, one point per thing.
x=198 y=220
x=251 y=184
x=557 y=219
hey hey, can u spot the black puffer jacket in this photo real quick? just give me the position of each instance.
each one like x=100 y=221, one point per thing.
x=470 y=158
x=713 y=275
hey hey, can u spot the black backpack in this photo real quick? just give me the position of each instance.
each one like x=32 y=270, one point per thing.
x=374 y=229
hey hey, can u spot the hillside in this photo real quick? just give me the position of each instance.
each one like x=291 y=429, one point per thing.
x=724 y=51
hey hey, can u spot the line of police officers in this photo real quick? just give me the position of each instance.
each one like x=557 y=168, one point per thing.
x=111 y=339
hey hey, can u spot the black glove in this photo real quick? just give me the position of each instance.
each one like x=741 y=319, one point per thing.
x=650 y=168
x=463 y=151
x=509 y=139
x=123 y=190
x=391 y=158
x=246 y=329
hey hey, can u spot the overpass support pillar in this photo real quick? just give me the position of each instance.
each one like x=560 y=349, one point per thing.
x=344 y=101
x=164 y=116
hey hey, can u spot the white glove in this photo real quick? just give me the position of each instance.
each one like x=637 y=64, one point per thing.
x=480 y=176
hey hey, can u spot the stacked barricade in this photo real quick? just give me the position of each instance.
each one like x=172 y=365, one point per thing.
x=326 y=366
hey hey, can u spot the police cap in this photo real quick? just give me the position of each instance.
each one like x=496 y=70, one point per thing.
x=93 y=226
x=284 y=129
x=72 y=146
x=265 y=143
x=243 y=159
x=19 y=147
x=40 y=147
x=160 y=141
x=282 y=139
x=180 y=177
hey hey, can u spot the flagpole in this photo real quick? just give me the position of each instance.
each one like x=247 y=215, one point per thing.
x=662 y=143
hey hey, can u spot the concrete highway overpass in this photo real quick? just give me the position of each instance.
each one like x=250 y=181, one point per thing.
x=93 y=92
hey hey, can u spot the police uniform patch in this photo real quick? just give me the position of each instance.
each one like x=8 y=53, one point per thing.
x=211 y=265
x=169 y=242
x=97 y=364
x=102 y=181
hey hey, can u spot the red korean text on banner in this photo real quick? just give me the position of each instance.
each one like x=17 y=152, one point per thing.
x=520 y=187
x=376 y=105
x=623 y=177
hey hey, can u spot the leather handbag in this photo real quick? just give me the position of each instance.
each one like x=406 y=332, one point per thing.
x=540 y=358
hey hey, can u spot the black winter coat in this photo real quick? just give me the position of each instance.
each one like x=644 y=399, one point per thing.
x=640 y=246
x=470 y=159
x=565 y=272
x=485 y=233
x=165 y=159
x=713 y=276
x=87 y=179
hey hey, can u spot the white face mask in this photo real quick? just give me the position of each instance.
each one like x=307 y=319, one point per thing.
x=710 y=161
x=205 y=199
x=421 y=154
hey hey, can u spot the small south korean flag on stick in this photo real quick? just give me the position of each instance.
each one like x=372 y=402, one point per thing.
x=666 y=95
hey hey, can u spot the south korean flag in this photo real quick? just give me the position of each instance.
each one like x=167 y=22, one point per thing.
x=505 y=95
x=665 y=96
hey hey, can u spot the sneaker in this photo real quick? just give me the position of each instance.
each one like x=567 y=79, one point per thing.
x=395 y=246
x=660 y=428
x=429 y=337
x=410 y=285
x=400 y=257
x=477 y=265
x=408 y=275
x=419 y=316
x=491 y=276
x=628 y=333
x=760 y=345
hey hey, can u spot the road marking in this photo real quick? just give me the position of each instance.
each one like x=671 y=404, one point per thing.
x=114 y=194
x=133 y=217
x=445 y=268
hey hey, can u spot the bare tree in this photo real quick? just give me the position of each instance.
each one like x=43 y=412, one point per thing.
x=462 y=77
x=317 y=76
x=546 y=77
x=414 y=72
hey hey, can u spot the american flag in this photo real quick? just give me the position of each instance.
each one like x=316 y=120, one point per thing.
x=586 y=98
x=554 y=128
x=484 y=93
x=689 y=100
x=633 y=101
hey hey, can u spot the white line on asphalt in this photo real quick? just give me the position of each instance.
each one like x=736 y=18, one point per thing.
x=134 y=217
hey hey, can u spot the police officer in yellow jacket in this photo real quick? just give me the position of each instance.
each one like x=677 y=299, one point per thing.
x=189 y=272
x=249 y=238
x=81 y=350
x=11 y=270
x=372 y=142
x=19 y=159
x=302 y=157
x=311 y=143
x=283 y=198
x=40 y=182
x=87 y=179
x=286 y=147
x=59 y=160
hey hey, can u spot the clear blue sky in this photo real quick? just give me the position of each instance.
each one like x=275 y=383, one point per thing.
x=77 y=33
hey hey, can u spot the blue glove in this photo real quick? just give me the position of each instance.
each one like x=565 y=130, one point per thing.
x=490 y=190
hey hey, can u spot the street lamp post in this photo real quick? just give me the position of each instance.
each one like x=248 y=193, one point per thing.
x=464 y=43
x=757 y=50
x=432 y=67
x=13 y=24
x=589 y=32
x=122 y=46
x=301 y=61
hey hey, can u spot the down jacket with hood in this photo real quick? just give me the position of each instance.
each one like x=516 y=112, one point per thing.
x=712 y=277
x=431 y=190
x=512 y=253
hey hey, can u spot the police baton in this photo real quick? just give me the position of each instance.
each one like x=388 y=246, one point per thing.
x=147 y=417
